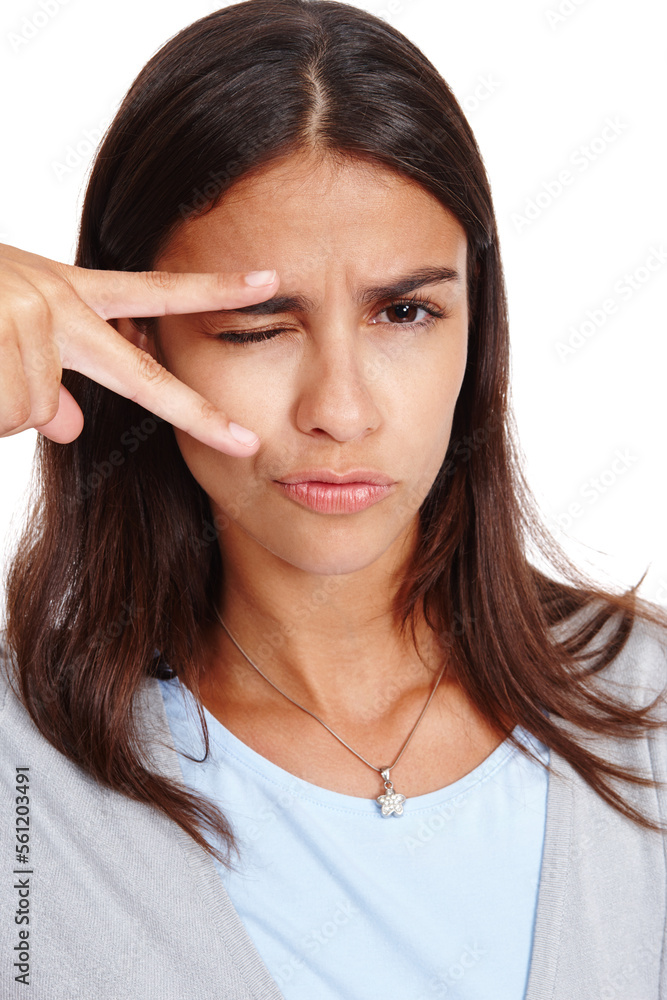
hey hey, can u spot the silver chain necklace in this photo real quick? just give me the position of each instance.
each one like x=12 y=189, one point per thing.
x=391 y=802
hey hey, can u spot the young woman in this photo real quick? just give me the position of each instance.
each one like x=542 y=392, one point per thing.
x=288 y=709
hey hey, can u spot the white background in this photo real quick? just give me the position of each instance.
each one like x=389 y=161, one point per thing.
x=539 y=81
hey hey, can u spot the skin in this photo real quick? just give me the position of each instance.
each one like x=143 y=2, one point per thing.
x=308 y=594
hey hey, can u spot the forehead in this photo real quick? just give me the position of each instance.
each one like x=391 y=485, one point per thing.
x=310 y=208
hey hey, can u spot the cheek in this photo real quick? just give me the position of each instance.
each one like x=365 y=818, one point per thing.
x=230 y=483
x=244 y=389
x=432 y=391
x=213 y=470
x=250 y=395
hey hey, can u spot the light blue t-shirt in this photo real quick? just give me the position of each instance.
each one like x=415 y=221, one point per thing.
x=341 y=901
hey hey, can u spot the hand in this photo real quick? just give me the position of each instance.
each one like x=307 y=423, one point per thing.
x=52 y=316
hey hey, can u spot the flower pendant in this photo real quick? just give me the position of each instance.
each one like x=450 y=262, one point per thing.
x=391 y=801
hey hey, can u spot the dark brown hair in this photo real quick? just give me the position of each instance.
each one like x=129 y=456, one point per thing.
x=120 y=557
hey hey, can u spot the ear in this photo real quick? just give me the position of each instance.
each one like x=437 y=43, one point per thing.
x=135 y=332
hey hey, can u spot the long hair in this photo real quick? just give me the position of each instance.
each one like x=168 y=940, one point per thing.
x=120 y=555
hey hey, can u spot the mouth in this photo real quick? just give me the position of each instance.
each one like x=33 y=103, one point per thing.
x=327 y=492
x=372 y=477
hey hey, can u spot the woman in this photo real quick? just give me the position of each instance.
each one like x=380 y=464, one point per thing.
x=416 y=735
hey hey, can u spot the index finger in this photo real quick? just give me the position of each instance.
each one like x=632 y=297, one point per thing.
x=110 y=360
x=112 y=294
x=96 y=349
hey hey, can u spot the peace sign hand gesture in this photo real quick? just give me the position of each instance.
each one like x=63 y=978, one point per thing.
x=52 y=316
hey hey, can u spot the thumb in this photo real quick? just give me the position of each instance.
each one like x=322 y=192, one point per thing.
x=68 y=421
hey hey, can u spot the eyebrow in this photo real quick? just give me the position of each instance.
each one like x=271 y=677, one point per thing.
x=301 y=303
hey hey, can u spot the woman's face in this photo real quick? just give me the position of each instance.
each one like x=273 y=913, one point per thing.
x=353 y=380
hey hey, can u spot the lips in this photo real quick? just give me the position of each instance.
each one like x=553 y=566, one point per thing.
x=335 y=498
x=371 y=477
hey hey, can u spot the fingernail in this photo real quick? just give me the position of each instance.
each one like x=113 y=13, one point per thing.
x=242 y=434
x=256 y=278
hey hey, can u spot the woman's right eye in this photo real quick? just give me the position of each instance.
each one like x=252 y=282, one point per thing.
x=248 y=336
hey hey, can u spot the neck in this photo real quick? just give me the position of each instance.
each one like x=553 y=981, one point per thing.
x=329 y=642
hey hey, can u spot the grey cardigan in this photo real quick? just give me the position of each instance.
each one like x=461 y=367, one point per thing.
x=122 y=903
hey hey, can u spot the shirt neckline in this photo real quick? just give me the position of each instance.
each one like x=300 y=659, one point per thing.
x=558 y=867
x=225 y=742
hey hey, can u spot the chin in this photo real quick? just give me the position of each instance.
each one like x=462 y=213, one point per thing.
x=330 y=560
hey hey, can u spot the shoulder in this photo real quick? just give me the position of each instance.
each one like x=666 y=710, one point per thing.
x=8 y=675
x=647 y=647
x=639 y=670
x=69 y=794
x=20 y=736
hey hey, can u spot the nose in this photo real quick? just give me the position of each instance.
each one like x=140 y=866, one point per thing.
x=335 y=396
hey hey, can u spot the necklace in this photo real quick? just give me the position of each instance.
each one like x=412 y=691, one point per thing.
x=391 y=802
